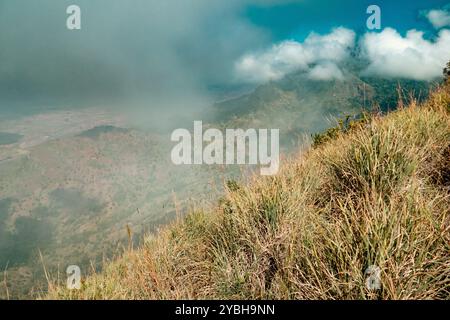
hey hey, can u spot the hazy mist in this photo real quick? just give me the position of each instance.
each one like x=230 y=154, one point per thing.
x=153 y=57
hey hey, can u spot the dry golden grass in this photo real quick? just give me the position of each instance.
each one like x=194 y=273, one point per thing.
x=378 y=195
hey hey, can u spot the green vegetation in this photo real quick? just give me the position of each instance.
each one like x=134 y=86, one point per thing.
x=345 y=125
x=377 y=194
x=75 y=202
x=9 y=138
x=447 y=71
x=5 y=205
x=94 y=133
x=20 y=244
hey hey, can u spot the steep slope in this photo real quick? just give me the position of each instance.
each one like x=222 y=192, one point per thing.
x=377 y=195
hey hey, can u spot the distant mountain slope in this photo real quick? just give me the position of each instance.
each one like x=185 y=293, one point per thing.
x=96 y=132
x=298 y=105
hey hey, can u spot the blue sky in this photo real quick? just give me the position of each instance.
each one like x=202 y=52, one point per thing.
x=297 y=20
x=317 y=37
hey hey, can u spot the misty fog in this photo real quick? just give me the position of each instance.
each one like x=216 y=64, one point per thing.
x=153 y=59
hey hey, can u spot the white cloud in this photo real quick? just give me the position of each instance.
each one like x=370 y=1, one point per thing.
x=439 y=18
x=326 y=71
x=289 y=56
x=412 y=57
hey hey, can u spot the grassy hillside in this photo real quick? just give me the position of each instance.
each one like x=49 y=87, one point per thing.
x=377 y=194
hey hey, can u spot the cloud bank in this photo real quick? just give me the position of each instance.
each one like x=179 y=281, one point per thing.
x=326 y=71
x=412 y=57
x=387 y=54
x=318 y=54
